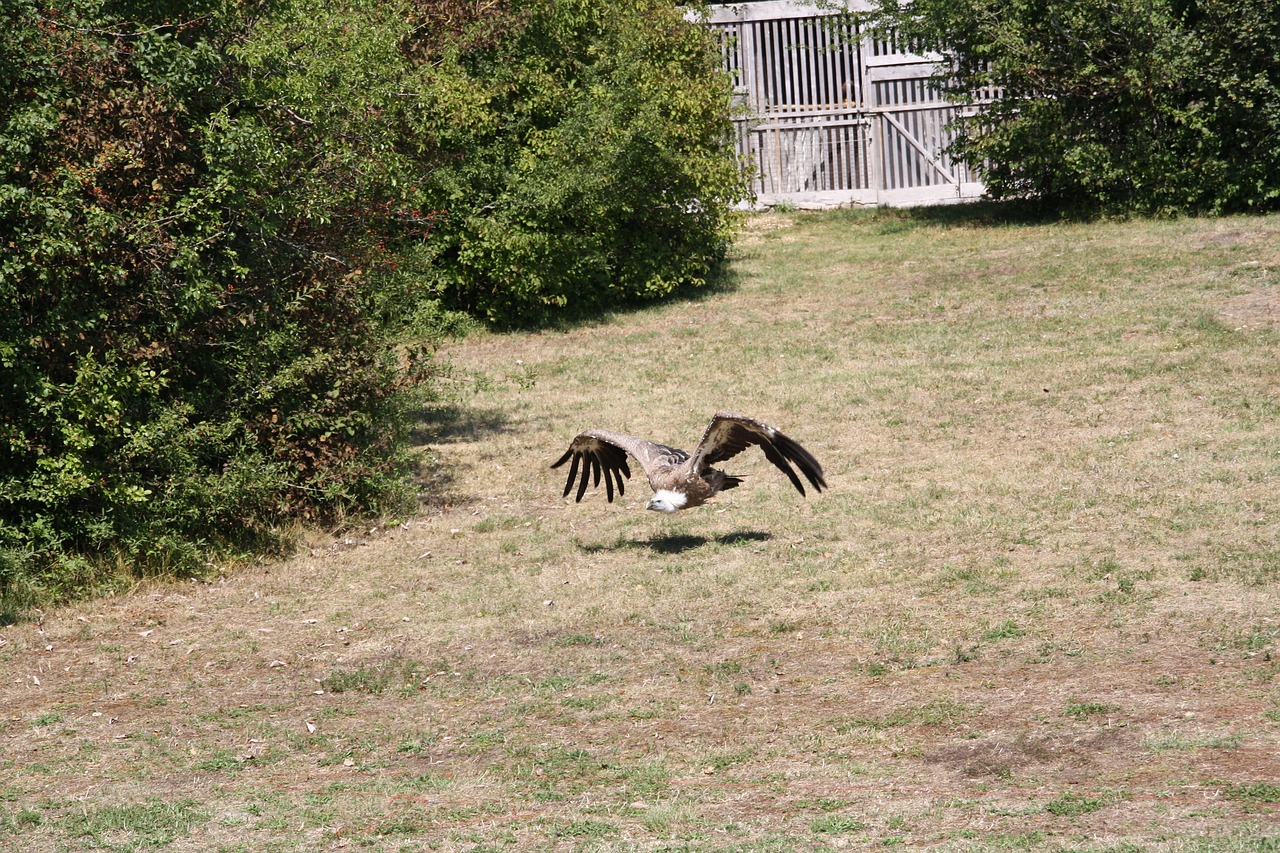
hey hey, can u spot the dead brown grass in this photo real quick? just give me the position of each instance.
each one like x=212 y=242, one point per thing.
x=1036 y=610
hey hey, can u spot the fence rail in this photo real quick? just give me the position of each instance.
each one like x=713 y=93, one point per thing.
x=833 y=116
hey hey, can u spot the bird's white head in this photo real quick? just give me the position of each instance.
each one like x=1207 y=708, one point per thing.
x=664 y=500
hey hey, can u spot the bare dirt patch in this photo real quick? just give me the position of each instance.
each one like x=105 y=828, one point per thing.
x=1257 y=308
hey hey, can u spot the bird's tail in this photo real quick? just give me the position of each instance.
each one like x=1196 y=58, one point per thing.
x=730 y=482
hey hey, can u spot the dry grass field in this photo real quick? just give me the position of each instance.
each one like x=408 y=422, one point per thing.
x=1036 y=610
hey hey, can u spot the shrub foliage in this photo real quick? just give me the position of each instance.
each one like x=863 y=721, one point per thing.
x=192 y=347
x=1146 y=105
x=228 y=227
x=595 y=161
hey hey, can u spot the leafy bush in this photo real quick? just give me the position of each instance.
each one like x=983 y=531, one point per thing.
x=593 y=164
x=1149 y=105
x=200 y=325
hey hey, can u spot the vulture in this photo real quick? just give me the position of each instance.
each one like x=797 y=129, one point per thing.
x=682 y=480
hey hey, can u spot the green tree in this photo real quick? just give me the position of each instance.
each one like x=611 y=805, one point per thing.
x=1149 y=105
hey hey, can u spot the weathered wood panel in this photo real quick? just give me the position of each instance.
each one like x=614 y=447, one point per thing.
x=832 y=116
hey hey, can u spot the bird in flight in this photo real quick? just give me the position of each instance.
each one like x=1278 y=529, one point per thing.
x=681 y=480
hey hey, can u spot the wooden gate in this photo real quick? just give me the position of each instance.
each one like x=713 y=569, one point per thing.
x=833 y=116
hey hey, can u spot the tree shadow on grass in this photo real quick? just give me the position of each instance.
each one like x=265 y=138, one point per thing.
x=722 y=279
x=447 y=423
x=978 y=214
x=440 y=475
x=679 y=543
x=439 y=483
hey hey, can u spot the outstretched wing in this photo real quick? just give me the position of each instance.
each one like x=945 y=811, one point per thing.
x=601 y=452
x=729 y=434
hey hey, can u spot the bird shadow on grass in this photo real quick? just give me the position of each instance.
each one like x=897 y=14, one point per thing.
x=679 y=543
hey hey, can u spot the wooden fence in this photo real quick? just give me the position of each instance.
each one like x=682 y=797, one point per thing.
x=834 y=116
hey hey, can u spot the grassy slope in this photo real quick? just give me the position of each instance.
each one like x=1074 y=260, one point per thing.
x=1036 y=610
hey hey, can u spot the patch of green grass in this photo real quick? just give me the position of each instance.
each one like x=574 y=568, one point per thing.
x=826 y=804
x=725 y=760
x=428 y=782
x=232 y=714
x=1249 y=639
x=219 y=761
x=480 y=741
x=414 y=822
x=403 y=677
x=1125 y=591
x=137 y=826
x=1253 y=792
x=1084 y=710
x=973 y=580
x=587 y=703
x=724 y=669
x=646 y=779
x=672 y=819
x=552 y=764
x=1177 y=742
x=836 y=825
x=1256 y=566
x=577 y=640
x=555 y=684
x=900 y=641
x=18 y=822
x=938 y=712
x=1006 y=630
x=1236 y=842
x=584 y=829
x=1073 y=805
x=416 y=746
